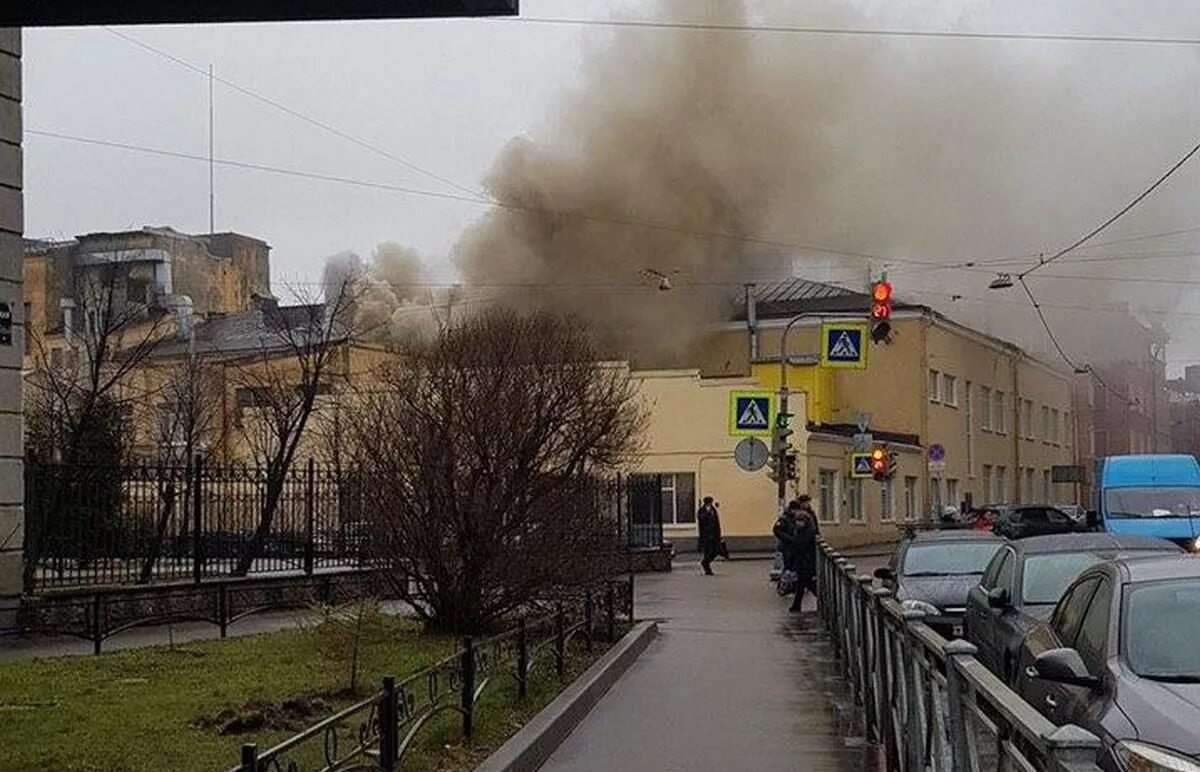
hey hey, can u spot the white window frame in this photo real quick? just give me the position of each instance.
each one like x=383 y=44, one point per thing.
x=987 y=485
x=952 y=494
x=985 y=402
x=1027 y=419
x=887 y=504
x=1046 y=424
x=1000 y=477
x=949 y=390
x=910 y=498
x=672 y=487
x=1046 y=485
x=935 y=497
x=856 y=512
x=999 y=414
x=832 y=475
x=935 y=386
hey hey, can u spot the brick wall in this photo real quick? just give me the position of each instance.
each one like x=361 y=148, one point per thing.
x=12 y=217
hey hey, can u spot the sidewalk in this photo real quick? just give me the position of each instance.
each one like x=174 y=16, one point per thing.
x=733 y=682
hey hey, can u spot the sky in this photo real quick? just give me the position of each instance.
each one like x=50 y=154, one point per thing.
x=926 y=150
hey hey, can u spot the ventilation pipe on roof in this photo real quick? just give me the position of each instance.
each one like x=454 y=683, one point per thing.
x=752 y=322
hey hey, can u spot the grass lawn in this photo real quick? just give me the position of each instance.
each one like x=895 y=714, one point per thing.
x=164 y=708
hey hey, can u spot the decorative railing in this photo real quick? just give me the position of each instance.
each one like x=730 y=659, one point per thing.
x=379 y=731
x=927 y=702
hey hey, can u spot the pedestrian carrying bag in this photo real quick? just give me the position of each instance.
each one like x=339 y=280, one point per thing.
x=787 y=582
x=723 y=549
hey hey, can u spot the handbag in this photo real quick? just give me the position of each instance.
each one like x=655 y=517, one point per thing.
x=723 y=549
x=787 y=582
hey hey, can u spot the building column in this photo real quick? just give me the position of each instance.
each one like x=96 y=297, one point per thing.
x=12 y=219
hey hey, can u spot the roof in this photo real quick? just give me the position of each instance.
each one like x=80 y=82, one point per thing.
x=954 y=535
x=249 y=331
x=1163 y=567
x=1074 y=542
x=1124 y=471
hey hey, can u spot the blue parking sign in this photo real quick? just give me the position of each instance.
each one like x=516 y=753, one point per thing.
x=751 y=413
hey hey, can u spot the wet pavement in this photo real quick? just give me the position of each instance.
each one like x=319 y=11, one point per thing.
x=733 y=681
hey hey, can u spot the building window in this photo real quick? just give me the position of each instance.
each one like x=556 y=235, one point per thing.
x=935 y=497
x=886 y=513
x=677 y=496
x=987 y=484
x=952 y=498
x=985 y=408
x=999 y=417
x=1001 y=486
x=910 y=498
x=828 y=496
x=1045 y=423
x=1030 y=495
x=1056 y=421
x=854 y=500
x=950 y=390
x=1068 y=429
x=1046 y=486
x=935 y=386
x=967 y=413
x=1027 y=419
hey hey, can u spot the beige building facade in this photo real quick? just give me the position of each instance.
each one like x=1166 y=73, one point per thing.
x=12 y=222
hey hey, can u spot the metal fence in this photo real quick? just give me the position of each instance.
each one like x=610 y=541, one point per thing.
x=377 y=732
x=927 y=702
x=88 y=526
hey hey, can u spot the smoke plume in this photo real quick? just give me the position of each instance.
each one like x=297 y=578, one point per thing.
x=717 y=157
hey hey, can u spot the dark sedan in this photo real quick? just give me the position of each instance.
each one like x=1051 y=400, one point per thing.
x=1120 y=657
x=932 y=572
x=1024 y=581
x=1021 y=522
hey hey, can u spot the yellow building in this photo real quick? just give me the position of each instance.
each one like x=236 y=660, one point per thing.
x=1002 y=418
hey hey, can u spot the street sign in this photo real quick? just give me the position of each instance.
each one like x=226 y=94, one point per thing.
x=1066 y=474
x=862 y=421
x=844 y=344
x=937 y=467
x=5 y=325
x=863 y=442
x=937 y=452
x=751 y=454
x=860 y=464
x=751 y=413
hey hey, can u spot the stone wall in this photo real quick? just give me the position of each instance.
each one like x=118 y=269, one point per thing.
x=12 y=220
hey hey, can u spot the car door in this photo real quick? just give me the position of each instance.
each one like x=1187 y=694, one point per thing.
x=983 y=618
x=1048 y=697
x=1058 y=521
x=1080 y=705
x=975 y=619
x=1034 y=522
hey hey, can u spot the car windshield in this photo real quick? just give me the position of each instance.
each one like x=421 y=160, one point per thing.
x=949 y=558
x=1046 y=576
x=1163 y=624
x=1152 y=502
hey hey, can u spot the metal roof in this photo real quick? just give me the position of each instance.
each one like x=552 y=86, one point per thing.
x=1162 y=567
x=1084 y=542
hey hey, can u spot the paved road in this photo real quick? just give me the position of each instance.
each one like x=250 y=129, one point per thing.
x=732 y=682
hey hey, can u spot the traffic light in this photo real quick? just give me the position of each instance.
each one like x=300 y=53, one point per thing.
x=789 y=466
x=882 y=464
x=779 y=437
x=773 y=467
x=881 y=310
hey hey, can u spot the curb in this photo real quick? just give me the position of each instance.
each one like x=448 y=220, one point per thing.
x=529 y=748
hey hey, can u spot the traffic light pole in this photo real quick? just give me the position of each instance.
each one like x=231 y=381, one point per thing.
x=782 y=451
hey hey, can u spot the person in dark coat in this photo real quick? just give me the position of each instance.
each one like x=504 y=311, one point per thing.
x=805 y=545
x=785 y=533
x=708 y=524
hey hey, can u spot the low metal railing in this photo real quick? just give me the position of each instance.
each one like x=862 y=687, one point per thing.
x=927 y=702
x=376 y=733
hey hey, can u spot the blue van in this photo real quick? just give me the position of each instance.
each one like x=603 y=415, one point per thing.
x=1150 y=495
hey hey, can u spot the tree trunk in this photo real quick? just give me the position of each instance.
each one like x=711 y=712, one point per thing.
x=254 y=547
x=160 y=533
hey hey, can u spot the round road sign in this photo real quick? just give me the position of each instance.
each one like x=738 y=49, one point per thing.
x=751 y=454
x=937 y=452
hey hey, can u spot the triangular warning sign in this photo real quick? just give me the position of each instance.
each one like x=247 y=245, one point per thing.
x=843 y=347
x=752 y=416
x=862 y=464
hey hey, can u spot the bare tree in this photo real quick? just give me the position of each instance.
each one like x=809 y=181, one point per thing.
x=186 y=426
x=79 y=396
x=295 y=363
x=486 y=453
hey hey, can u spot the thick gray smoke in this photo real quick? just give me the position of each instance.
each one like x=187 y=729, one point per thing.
x=926 y=153
x=394 y=300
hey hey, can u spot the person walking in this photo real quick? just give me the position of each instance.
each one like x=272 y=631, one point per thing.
x=785 y=534
x=805 y=545
x=708 y=525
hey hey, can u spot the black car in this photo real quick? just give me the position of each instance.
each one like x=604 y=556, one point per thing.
x=933 y=571
x=1120 y=657
x=1024 y=581
x=1020 y=522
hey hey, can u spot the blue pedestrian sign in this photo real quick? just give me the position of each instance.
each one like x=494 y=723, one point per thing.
x=860 y=464
x=844 y=344
x=751 y=413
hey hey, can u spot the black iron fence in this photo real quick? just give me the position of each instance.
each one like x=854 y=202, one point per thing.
x=142 y=524
x=377 y=732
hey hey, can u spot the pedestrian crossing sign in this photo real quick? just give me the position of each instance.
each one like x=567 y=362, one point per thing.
x=751 y=413
x=844 y=344
x=860 y=464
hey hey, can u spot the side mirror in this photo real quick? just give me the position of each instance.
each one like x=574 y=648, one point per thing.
x=997 y=597
x=1063 y=666
x=884 y=573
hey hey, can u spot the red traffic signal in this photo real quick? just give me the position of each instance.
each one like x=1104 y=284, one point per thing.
x=881 y=301
x=879 y=461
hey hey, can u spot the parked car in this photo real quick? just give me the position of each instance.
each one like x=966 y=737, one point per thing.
x=1021 y=522
x=1120 y=657
x=1024 y=581
x=932 y=572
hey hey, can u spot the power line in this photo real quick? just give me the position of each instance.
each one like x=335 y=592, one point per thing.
x=861 y=31
x=294 y=113
x=711 y=235
x=1118 y=214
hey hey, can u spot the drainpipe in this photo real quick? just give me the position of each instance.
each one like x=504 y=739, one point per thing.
x=1015 y=364
x=752 y=322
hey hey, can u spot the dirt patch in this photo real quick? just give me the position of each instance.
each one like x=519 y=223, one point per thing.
x=294 y=715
